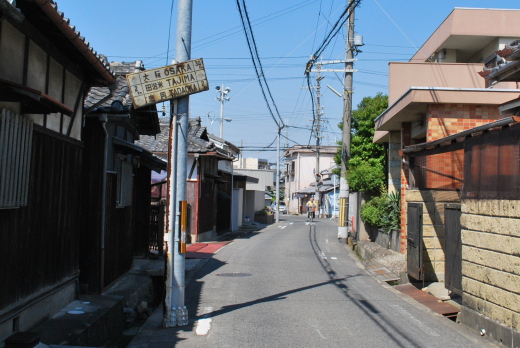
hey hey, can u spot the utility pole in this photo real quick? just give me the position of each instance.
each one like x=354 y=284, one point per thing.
x=318 y=136
x=277 y=176
x=347 y=115
x=175 y=310
x=287 y=172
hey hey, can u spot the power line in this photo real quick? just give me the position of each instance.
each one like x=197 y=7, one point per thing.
x=169 y=34
x=253 y=49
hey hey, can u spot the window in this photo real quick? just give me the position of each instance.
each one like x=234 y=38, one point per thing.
x=16 y=134
x=124 y=181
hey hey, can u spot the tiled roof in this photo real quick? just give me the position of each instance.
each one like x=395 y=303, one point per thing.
x=198 y=139
x=121 y=102
x=121 y=95
x=504 y=68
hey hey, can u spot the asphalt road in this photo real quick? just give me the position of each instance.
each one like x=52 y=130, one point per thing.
x=295 y=285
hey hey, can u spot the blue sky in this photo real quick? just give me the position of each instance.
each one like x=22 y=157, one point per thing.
x=287 y=32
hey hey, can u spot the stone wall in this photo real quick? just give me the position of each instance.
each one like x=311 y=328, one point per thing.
x=433 y=228
x=491 y=259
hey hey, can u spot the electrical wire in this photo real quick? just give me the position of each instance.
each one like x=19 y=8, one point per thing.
x=332 y=33
x=169 y=34
x=402 y=32
x=253 y=49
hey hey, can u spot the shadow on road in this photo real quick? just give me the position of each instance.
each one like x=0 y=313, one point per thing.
x=365 y=305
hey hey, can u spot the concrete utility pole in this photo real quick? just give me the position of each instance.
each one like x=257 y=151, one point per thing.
x=175 y=311
x=318 y=136
x=287 y=192
x=347 y=114
x=277 y=176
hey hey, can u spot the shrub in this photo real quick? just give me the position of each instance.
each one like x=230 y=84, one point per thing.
x=371 y=211
x=366 y=178
x=383 y=211
x=263 y=212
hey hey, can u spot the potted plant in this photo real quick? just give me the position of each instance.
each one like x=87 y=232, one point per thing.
x=264 y=216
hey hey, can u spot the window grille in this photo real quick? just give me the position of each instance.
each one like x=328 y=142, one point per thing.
x=16 y=134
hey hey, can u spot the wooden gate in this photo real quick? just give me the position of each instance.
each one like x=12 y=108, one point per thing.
x=157 y=226
x=414 y=250
x=453 y=252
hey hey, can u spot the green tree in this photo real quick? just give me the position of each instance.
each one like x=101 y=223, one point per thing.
x=367 y=160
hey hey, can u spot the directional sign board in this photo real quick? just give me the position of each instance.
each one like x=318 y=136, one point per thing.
x=169 y=82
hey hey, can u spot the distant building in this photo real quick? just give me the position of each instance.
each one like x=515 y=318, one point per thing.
x=251 y=163
x=301 y=164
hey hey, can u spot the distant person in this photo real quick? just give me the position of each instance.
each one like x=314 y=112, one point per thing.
x=311 y=208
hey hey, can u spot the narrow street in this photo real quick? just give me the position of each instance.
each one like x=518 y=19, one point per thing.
x=294 y=285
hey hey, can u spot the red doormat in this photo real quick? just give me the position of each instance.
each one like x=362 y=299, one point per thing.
x=203 y=250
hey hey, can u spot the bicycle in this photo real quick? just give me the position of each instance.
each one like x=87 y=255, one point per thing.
x=310 y=214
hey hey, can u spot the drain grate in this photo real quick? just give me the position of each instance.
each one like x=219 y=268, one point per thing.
x=234 y=274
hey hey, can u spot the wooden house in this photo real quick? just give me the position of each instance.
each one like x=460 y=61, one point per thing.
x=74 y=188
x=209 y=181
x=46 y=69
x=116 y=181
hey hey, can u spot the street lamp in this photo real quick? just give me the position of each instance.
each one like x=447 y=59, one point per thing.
x=222 y=97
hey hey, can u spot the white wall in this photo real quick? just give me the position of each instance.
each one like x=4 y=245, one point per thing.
x=237 y=209
x=265 y=178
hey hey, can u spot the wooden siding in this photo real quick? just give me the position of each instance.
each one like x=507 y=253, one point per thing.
x=142 y=194
x=39 y=242
x=118 y=235
x=119 y=221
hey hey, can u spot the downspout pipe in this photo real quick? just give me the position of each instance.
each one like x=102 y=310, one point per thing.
x=103 y=118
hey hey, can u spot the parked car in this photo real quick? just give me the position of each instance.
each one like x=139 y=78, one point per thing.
x=283 y=208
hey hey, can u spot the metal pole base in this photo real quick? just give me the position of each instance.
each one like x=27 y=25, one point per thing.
x=342 y=232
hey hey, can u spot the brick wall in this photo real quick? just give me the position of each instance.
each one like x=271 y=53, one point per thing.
x=448 y=119
x=443 y=120
x=491 y=259
x=433 y=228
x=406 y=138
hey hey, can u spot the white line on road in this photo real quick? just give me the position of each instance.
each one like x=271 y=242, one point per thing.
x=326 y=241
x=204 y=324
x=315 y=326
x=321 y=335
x=334 y=258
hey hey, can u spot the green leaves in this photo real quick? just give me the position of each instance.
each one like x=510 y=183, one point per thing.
x=366 y=176
x=366 y=166
x=383 y=211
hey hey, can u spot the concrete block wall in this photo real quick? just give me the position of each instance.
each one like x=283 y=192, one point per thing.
x=491 y=259
x=433 y=202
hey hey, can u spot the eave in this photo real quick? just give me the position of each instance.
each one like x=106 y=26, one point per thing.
x=412 y=106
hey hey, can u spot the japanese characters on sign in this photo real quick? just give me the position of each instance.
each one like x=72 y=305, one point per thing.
x=168 y=82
